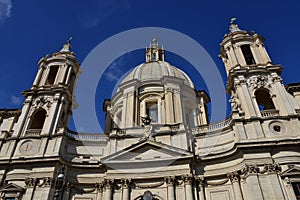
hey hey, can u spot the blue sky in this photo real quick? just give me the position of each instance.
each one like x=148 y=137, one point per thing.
x=31 y=29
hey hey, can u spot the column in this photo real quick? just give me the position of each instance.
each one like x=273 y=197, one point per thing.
x=202 y=188
x=289 y=189
x=169 y=106
x=234 y=178
x=272 y=170
x=240 y=56
x=170 y=181
x=108 y=186
x=255 y=53
x=188 y=181
x=130 y=109
x=67 y=192
x=38 y=76
x=52 y=114
x=44 y=189
x=126 y=189
x=124 y=111
x=251 y=183
x=99 y=187
x=30 y=188
x=232 y=57
x=177 y=105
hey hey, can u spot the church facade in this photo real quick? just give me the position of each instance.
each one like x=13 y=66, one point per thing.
x=158 y=142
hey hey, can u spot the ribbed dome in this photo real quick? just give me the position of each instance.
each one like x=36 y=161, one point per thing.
x=155 y=71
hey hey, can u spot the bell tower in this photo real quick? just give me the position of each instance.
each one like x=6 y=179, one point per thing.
x=254 y=82
x=48 y=103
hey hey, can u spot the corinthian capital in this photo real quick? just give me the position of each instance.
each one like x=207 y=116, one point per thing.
x=234 y=177
x=126 y=183
x=188 y=179
x=170 y=180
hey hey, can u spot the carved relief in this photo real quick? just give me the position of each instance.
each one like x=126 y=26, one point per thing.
x=249 y=169
x=126 y=183
x=40 y=182
x=108 y=184
x=235 y=103
x=239 y=82
x=172 y=89
x=276 y=78
x=234 y=177
x=99 y=187
x=170 y=180
x=46 y=181
x=271 y=168
x=26 y=147
x=188 y=179
x=31 y=182
x=43 y=102
x=256 y=82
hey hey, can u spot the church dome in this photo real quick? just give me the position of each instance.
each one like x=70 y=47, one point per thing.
x=156 y=70
x=155 y=67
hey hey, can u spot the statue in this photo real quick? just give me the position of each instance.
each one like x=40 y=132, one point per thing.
x=146 y=120
x=235 y=103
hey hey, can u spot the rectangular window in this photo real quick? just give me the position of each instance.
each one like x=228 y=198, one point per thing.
x=152 y=111
x=154 y=57
x=296 y=187
x=248 y=54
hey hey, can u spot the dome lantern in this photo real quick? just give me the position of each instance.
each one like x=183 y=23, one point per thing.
x=154 y=52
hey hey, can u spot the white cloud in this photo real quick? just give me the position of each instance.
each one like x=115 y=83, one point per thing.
x=89 y=22
x=105 y=9
x=16 y=101
x=114 y=72
x=5 y=9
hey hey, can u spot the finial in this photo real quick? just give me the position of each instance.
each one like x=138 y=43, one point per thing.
x=233 y=26
x=232 y=20
x=67 y=46
x=154 y=43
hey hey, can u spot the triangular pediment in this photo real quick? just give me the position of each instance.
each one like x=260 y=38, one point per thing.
x=293 y=171
x=11 y=187
x=147 y=151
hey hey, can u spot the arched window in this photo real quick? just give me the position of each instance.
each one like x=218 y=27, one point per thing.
x=38 y=119
x=52 y=75
x=248 y=54
x=264 y=100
